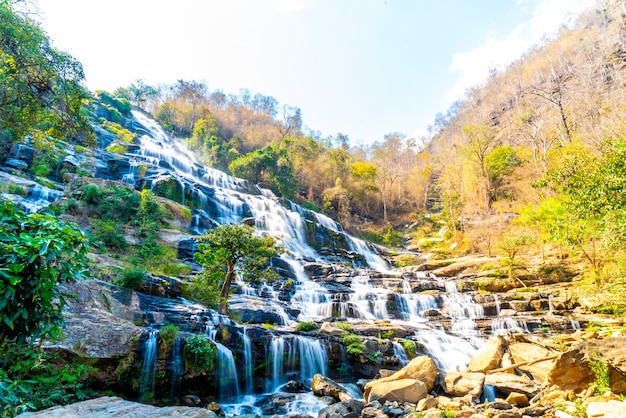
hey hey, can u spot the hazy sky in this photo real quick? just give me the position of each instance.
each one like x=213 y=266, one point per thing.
x=364 y=68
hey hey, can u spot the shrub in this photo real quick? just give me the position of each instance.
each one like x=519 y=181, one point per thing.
x=387 y=334
x=18 y=190
x=600 y=369
x=344 y=326
x=92 y=194
x=353 y=343
x=306 y=326
x=409 y=347
x=131 y=279
x=199 y=353
x=117 y=149
x=169 y=335
x=108 y=233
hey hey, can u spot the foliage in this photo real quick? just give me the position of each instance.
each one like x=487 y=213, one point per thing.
x=231 y=250
x=131 y=278
x=169 y=335
x=40 y=86
x=108 y=233
x=306 y=326
x=199 y=354
x=409 y=347
x=37 y=380
x=344 y=326
x=38 y=252
x=600 y=369
x=268 y=326
x=353 y=343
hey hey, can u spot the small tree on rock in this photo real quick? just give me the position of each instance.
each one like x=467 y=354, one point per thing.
x=228 y=251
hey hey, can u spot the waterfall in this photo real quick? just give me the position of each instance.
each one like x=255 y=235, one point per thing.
x=177 y=369
x=226 y=373
x=249 y=365
x=496 y=300
x=504 y=326
x=148 y=372
x=400 y=353
x=298 y=358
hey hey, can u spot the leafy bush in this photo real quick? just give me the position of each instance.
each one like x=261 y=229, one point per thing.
x=199 y=353
x=387 y=334
x=169 y=335
x=306 y=326
x=117 y=149
x=108 y=233
x=409 y=347
x=353 y=343
x=131 y=279
x=18 y=190
x=344 y=326
x=92 y=194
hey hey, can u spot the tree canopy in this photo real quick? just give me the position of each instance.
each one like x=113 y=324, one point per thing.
x=230 y=251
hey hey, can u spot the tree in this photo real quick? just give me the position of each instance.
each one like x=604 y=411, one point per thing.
x=229 y=251
x=37 y=253
x=40 y=86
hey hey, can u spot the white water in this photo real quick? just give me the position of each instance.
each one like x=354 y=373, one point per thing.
x=148 y=372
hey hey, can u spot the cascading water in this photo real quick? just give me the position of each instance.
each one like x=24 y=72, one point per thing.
x=296 y=358
x=177 y=369
x=249 y=366
x=148 y=372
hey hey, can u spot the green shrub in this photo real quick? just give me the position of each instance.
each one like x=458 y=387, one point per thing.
x=387 y=334
x=92 y=194
x=18 y=190
x=600 y=369
x=131 y=278
x=353 y=343
x=409 y=347
x=268 y=326
x=108 y=233
x=199 y=353
x=344 y=326
x=117 y=149
x=306 y=326
x=169 y=335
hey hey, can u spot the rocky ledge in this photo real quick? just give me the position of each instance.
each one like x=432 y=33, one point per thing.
x=117 y=407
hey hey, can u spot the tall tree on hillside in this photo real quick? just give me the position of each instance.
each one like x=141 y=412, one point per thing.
x=229 y=251
x=40 y=86
x=480 y=140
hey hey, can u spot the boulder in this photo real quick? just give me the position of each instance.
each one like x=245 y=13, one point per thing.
x=421 y=368
x=505 y=383
x=461 y=384
x=517 y=399
x=348 y=409
x=329 y=329
x=489 y=356
x=323 y=386
x=403 y=390
x=526 y=352
x=571 y=371
x=610 y=409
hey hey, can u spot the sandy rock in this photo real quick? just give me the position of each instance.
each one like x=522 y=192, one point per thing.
x=343 y=409
x=323 y=386
x=505 y=383
x=461 y=384
x=522 y=352
x=517 y=399
x=403 y=390
x=571 y=371
x=610 y=409
x=421 y=368
x=489 y=356
x=426 y=403
x=329 y=329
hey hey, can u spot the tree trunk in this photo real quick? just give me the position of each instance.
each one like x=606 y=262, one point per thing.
x=230 y=273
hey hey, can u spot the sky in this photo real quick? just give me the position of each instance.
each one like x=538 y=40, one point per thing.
x=363 y=68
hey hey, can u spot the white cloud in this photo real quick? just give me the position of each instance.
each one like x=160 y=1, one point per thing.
x=473 y=66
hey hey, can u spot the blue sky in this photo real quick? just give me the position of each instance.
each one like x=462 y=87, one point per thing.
x=364 y=68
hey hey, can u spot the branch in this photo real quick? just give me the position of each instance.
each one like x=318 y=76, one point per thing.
x=524 y=363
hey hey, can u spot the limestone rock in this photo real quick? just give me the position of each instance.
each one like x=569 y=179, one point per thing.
x=461 y=384
x=323 y=386
x=571 y=371
x=517 y=399
x=610 y=409
x=489 y=356
x=505 y=383
x=120 y=408
x=403 y=390
x=426 y=403
x=329 y=329
x=421 y=368
x=522 y=352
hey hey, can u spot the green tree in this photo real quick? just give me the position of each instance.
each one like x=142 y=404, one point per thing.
x=40 y=86
x=499 y=163
x=228 y=251
x=37 y=253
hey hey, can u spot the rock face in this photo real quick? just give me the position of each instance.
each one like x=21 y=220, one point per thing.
x=489 y=356
x=118 y=407
x=527 y=352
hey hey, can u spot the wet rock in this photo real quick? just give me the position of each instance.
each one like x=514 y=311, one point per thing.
x=370 y=412
x=461 y=384
x=489 y=356
x=329 y=329
x=345 y=409
x=191 y=400
x=294 y=387
x=323 y=386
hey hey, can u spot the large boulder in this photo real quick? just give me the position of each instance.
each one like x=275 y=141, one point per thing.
x=506 y=383
x=528 y=352
x=421 y=368
x=403 y=390
x=323 y=386
x=489 y=356
x=461 y=384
